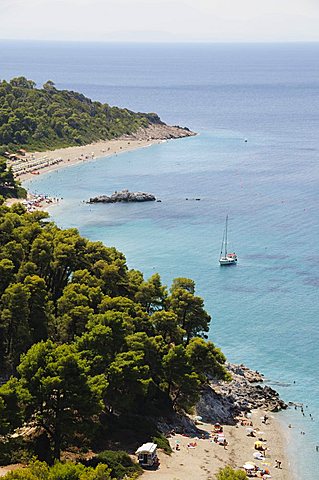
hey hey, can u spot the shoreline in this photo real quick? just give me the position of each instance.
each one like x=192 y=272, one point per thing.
x=40 y=163
x=247 y=411
x=68 y=157
x=36 y=163
x=206 y=458
x=201 y=458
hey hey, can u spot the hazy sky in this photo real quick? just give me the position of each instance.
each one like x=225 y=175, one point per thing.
x=161 y=20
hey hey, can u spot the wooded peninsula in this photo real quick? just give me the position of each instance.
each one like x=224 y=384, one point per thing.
x=39 y=119
x=47 y=118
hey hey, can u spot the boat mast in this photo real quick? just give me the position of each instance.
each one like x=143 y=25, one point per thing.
x=226 y=236
x=222 y=247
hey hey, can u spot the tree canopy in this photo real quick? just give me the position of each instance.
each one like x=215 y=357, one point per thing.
x=45 y=118
x=84 y=337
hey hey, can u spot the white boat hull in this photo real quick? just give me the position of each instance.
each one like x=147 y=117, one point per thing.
x=227 y=261
x=226 y=258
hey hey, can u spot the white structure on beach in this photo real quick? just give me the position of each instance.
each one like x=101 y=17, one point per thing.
x=147 y=456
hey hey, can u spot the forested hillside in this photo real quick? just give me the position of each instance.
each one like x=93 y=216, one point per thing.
x=46 y=118
x=87 y=341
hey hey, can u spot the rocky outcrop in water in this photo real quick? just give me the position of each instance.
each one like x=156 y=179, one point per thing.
x=223 y=401
x=124 y=196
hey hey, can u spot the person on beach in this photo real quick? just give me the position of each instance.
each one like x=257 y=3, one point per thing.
x=278 y=464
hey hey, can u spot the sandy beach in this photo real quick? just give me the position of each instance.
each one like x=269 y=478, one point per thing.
x=37 y=163
x=73 y=155
x=202 y=462
x=40 y=163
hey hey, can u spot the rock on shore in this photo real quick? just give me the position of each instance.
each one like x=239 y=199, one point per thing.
x=223 y=401
x=159 y=131
x=124 y=196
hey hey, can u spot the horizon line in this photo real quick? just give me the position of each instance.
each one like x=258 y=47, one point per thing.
x=163 y=42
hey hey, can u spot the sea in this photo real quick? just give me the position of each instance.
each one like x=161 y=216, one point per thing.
x=255 y=108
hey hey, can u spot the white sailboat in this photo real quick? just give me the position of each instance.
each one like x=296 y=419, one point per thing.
x=226 y=258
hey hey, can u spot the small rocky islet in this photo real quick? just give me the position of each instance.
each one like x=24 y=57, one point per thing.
x=124 y=196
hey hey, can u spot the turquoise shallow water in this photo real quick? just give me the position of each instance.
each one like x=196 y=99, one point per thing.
x=265 y=310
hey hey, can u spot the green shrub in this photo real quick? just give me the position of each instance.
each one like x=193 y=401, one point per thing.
x=13 y=450
x=60 y=471
x=163 y=443
x=119 y=462
x=229 y=473
x=66 y=471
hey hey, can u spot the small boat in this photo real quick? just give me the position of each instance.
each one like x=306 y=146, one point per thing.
x=226 y=258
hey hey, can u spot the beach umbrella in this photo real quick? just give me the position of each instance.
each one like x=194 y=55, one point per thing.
x=249 y=466
x=249 y=429
x=259 y=444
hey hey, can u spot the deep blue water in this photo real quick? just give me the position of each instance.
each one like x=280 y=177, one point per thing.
x=265 y=310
